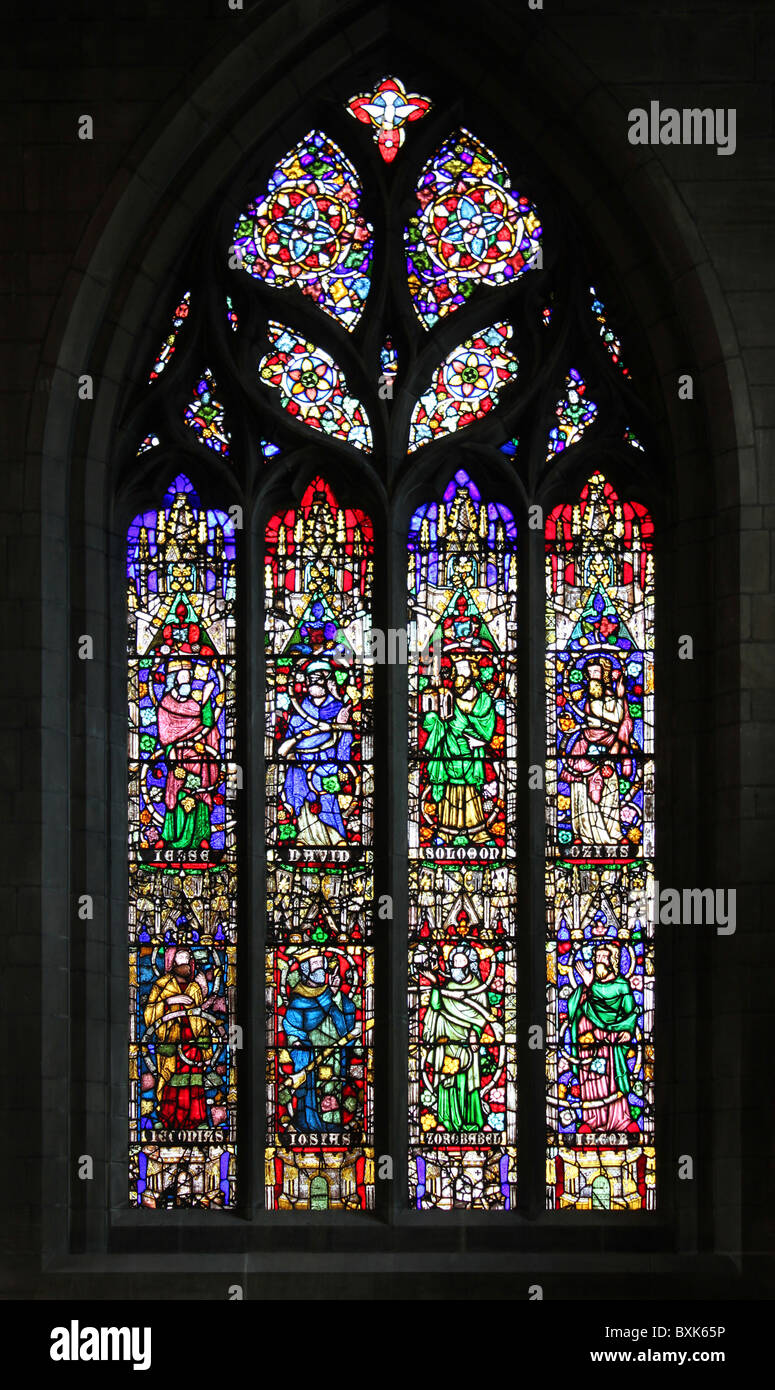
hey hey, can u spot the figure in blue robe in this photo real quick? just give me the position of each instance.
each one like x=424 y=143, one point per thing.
x=320 y=748
x=318 y=1016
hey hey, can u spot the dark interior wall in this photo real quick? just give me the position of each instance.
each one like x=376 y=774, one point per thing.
x=179 y=94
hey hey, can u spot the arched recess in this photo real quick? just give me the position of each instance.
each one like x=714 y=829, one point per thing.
x=658 y=268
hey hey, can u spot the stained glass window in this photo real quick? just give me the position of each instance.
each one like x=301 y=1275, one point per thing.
x=600 y=848
x=182 y=853
x=574 y=411
x=307 y=231
x=462 y=852
x=469 y=228
x=205 y=415
x=305 y=391
x=465 y=386
x=387 y=110
x=313 y=388
x=168 y=346
x=319 y=828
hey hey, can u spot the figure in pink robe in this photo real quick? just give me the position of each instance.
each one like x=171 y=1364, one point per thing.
x=188 y=731
x=593 y=753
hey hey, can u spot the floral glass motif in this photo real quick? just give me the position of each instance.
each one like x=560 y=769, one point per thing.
x=465 y=385
x=606 y=333
x=319 y=838
x=388 y=109
x=599 y=854
x=574 y=413
x=269 y=450
x=469 y=229
x=462 y=852
x=168 y=346
x=205 y=415
x=306 y=230
x=232 y=317
x=151 y=441
x=182 y=853
x=313 y=388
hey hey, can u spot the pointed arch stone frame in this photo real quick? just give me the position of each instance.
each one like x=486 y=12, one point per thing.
x=650 y=250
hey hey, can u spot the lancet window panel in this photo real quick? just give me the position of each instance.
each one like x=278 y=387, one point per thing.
x=600 y=848
x=462 y=846
x=319 y=853
x=182 y=853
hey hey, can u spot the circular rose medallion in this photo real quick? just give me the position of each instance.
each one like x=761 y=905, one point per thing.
x=474 y=233
x=308 y=380
x=305 y=233
x=469 y=376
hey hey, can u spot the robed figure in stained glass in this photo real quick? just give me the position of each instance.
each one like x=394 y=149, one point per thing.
x=188 y=732
x=318 y=743
x=183 y=1042
x=592 y=755
x=318 y=1024
x=602 y=1017
x=459 y=732
x=453 y=1025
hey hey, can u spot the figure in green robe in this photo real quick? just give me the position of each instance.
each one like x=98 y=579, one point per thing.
x=453 y=1026
x=455 y=749
x=602 y=1018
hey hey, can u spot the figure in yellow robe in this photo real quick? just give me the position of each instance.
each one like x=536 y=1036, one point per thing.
x=183 y=1045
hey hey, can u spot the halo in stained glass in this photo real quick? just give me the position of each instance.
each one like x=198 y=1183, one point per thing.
x=313 y=388
x=387 y=109
x=574 y=411
x=469 y=228
x=205 y=415
x=307 y=231
x=465 y=386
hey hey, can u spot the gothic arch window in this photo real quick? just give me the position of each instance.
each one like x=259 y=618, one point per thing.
x=390 y=691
